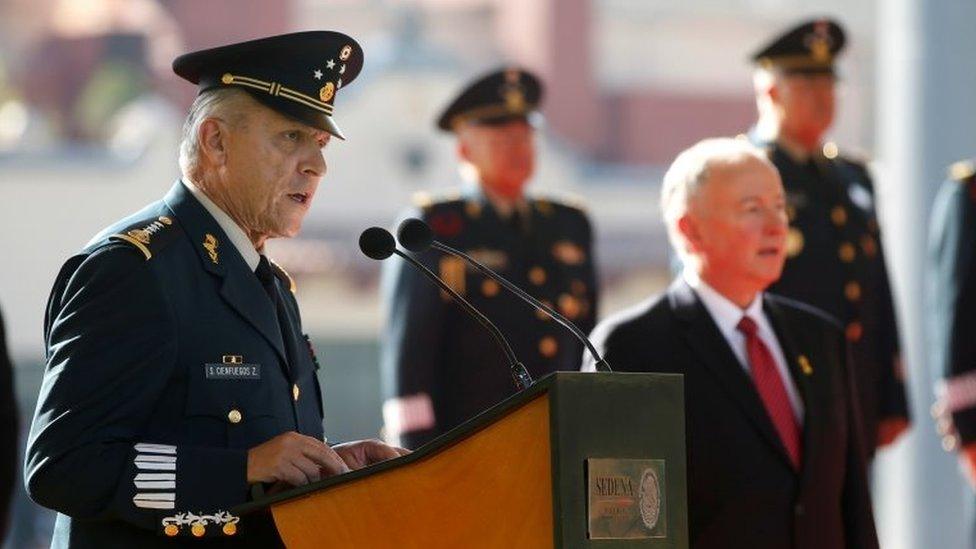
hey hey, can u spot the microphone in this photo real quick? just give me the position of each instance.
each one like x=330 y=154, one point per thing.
x=377 y=243
x=416 y=236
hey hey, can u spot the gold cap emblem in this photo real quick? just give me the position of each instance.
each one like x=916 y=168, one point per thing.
x=327 y=91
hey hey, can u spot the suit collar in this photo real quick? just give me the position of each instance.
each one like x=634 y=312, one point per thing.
x=707 y=343
x=795 y=354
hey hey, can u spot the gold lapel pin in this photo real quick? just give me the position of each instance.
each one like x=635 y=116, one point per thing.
x=805 y=366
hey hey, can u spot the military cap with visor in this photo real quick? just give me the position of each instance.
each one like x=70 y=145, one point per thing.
x=298 y=75
x=495 y=98
x=808 y=48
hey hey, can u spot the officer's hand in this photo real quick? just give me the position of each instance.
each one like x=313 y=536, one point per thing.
x=360 y=453
x=292 y=458
x=890 y=429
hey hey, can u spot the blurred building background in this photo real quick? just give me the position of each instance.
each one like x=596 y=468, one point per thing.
x=90 y=114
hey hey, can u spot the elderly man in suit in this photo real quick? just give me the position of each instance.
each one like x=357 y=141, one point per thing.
x=774 y=454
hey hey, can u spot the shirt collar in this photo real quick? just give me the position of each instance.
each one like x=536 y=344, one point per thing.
x=725 y=313
x=233 y=231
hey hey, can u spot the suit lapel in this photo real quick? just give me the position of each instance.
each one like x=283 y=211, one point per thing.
x=238 y=285
x=708 y=343
x=793 y=352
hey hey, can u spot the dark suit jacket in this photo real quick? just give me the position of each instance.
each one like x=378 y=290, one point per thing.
x=742 y=490
x=144 y=417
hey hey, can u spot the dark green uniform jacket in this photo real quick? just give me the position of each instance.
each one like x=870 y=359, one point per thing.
x=165 y=364
x=835 y=262
x=440 y=367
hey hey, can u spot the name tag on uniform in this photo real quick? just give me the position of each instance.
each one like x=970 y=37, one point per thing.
x=233 y=371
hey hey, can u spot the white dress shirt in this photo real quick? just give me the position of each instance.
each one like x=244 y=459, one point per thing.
x=233 y=231
x=727 y=316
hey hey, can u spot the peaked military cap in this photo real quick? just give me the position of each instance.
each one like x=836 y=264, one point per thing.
x=494 y=98
x=298 y=74
x=807 y=48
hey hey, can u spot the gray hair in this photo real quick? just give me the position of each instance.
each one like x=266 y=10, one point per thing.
x=690 y=171
x=208 y=104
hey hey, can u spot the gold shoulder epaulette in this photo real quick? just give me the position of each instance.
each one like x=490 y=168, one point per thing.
x=962 y=171
x=572 y=201
x=422 y=199
x=146 y=235
x=283 y=274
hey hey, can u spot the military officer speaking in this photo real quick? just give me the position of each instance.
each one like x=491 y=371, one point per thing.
x=835 y=259
x=952 y=311
x=177 y=373
x=440 y=367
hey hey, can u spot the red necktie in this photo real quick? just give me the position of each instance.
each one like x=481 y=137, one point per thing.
x=772 y=390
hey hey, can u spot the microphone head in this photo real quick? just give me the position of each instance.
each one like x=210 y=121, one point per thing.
x=377 y=243
x=415 y=235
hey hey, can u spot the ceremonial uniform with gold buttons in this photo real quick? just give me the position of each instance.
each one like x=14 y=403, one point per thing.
x=835 y=259
x=952 y=305
x=440 y=367
x=173 y=348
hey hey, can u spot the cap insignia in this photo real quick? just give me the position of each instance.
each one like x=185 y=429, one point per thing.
x=345 y=53
x=327 y=91
x=819 y=42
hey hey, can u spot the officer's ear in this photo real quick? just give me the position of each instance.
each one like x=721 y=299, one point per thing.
x=212 y=139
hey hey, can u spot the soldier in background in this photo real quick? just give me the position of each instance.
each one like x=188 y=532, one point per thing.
x=952 y=311
x=835 y=258
x=8 y=433
x=439 y=366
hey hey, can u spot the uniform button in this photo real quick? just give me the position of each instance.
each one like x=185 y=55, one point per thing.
x=295 y=391
x=798 y=510
x=198 y=530
x=578 y=287
x=171 y=530
x=852 y=291
x=569 y=306
x=230 y=529
x=854 y=331
x=794 y=242
x=869 y=245
x=234 y=416
x=537 y=276
x=548 y=347
x=846 y=252
x=489 y=288
x=542 y=315
x=838 y=215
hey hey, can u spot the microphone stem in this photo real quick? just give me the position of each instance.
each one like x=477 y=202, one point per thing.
x=601 y=365
x=519 y=373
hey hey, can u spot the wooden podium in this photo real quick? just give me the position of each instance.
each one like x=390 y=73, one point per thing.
x=576 y=460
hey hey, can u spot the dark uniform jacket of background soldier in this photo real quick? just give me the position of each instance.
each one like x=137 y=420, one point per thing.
x=835 y=260
x=168 y=358
x=440 y=367
x=952 y=304
x=8 y=433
